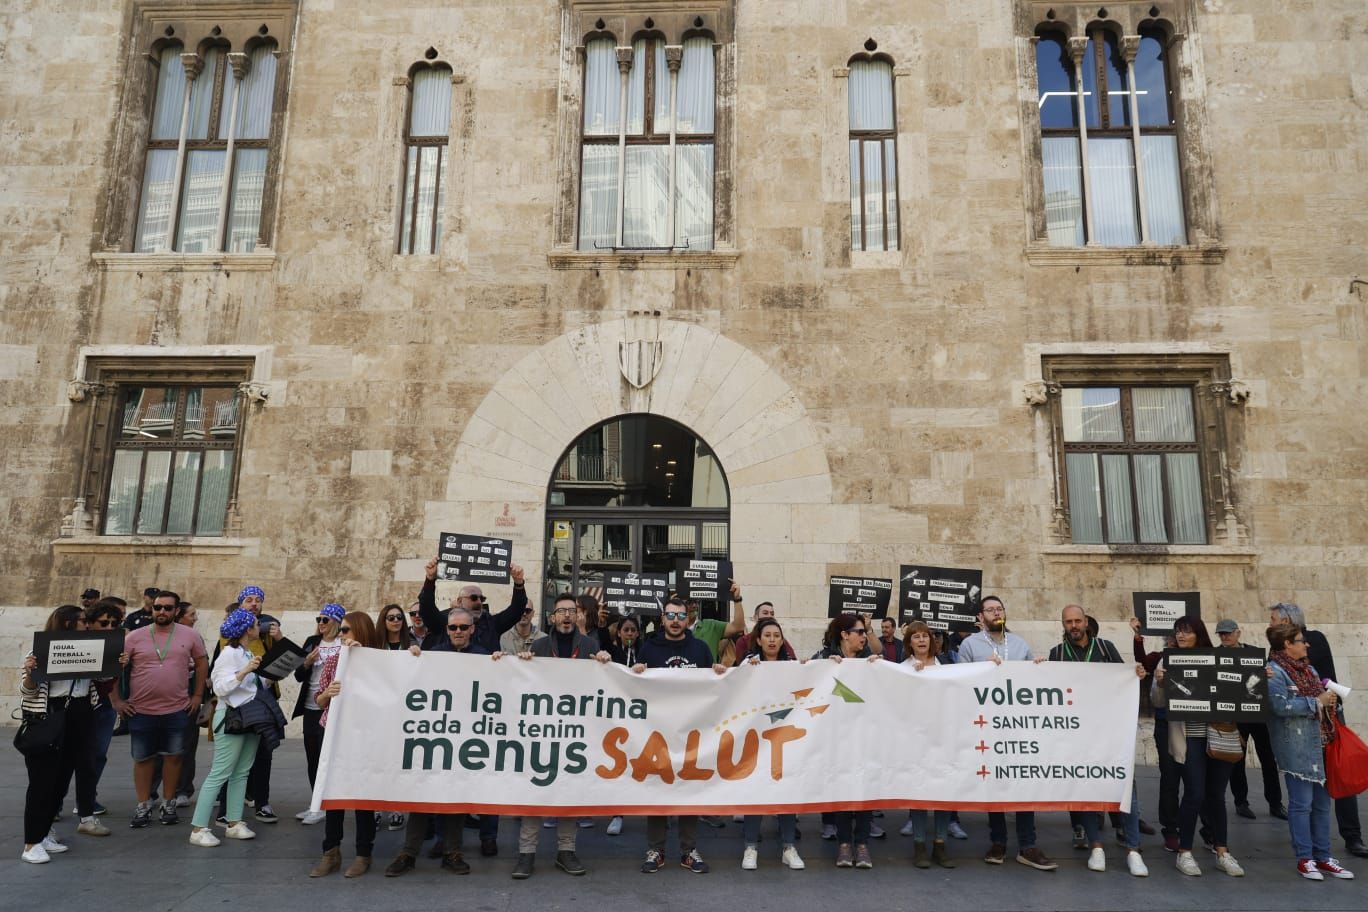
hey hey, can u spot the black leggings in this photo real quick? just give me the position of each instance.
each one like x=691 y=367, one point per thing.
x=365 y=831
x=50 y=774
x=313 y=742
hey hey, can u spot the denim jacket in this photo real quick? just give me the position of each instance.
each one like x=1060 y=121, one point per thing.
x=1294 y=729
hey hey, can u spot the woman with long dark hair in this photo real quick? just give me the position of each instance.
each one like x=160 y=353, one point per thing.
x=394 y=629
x=71 y=753
x=356 y=630
x=847 y=637
x=1204 y=777
x=767 y=645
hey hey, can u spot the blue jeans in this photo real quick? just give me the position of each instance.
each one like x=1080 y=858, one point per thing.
x=104 y=733
x=1091 y=821
x=1204 y=790
x=1025 y=829
x=941 y=821
x=489 y=826
x=750 y=830
x=1308 y=818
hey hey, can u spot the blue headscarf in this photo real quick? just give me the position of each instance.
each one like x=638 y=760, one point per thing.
x=237 y=623
x=334 y=611
x=251 y=590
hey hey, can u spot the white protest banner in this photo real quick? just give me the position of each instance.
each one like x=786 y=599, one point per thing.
x=445 y=732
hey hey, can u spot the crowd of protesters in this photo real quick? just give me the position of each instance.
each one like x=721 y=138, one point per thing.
x=171 y=688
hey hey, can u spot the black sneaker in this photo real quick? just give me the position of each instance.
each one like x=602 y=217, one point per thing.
x=489 y=848
x=168 y=815
x=694 y=862
x=523 y=869
x=266 y=815
x=454 y=863
x=569 y=863
x=142 y=816
x=654 y=862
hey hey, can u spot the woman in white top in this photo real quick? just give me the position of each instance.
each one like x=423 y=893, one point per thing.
x=50 y=771
x=235 y=683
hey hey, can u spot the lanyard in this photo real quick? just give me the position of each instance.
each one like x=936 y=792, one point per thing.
x=161 y=653
x=1087 y=656
x=1006 y=647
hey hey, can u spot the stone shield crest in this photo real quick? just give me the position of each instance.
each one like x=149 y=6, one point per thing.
x=640 y=360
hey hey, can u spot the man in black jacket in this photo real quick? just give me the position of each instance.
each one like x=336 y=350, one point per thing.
x=673 y=646
x=1319 y=655
x=488 y=627
x=564 y=642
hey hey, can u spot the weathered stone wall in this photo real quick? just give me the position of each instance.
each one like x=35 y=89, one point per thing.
x=874 y=407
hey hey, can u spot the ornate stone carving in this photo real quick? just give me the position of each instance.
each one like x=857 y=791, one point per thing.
x=193 y=64
x=241 y=64
x=255 y=393
x=1078 y=50
x=624 y=59
x=1130 y=46
x=674 y=55
x=78 y=390
x=1038 y=392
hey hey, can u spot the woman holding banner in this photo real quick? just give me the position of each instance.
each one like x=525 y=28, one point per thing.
x=53 y=757
x=847 y=637
x=1204 y=777
x=1301 y=725
x=767 y=645
x=922 y=649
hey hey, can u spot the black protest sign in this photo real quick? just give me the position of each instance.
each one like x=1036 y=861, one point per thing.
x=703 y=580
x=281 y=660
x=943 y=597
x=859 y=595
x=474 y=558
x=1158 y=610
x=1218 y=685
x=642 y=594
x=78 y=654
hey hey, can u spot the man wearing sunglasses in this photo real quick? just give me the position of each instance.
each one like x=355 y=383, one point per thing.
x=488 y=627
x=157 y=704
x=673 y=646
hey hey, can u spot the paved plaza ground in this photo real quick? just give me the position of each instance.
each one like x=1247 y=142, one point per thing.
x=156 y=869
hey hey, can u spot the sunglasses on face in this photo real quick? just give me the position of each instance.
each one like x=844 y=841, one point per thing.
x=476 y=598
x=859 y=631
x=163 y=607
x=396 y=617
x=459 y=627
x=322 y=620
x=414 y=614
x=344 y=630
x=675 y=615
x=105 y=623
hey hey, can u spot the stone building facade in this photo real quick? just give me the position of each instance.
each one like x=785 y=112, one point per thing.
x=879 y=383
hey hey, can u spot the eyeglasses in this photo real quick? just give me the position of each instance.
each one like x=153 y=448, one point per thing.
x=322 y=620
x=675 y=615
x=461 y=627
x=105 y=623
x=1297 y=642
x=475 y=598
x=561 y=610
x=163 y=607
x=414 y=614
x=395 y=617
x=860 y=631
x=344 y=630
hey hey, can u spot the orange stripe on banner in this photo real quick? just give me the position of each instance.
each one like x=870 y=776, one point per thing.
x=638 y=810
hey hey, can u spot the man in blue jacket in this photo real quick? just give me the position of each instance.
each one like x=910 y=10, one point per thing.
x=673 y=646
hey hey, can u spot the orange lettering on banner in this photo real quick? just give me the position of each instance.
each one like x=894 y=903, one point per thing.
x=778 y=737
x=612 y=742
x=690 y=768
x=654 y=759
x=750 y=750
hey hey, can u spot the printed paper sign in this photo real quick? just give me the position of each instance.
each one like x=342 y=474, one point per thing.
x=858 y=595
x=642 y=594
x=704 y=580
x=1158 y=610
x=281 y=660
x=448 y=733
x=1221 y=685
x=945 y=598
x=474 y=558
x=79 y=653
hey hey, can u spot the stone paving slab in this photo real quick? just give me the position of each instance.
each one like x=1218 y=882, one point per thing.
x=156 y=868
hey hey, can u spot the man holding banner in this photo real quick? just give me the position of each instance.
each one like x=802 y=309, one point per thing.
x=564 y=642
x=995 y=644
x=1078 y=646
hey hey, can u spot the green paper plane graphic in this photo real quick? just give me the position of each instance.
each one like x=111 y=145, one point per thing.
x=845 y=693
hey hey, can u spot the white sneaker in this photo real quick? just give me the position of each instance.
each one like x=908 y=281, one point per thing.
x=750 y=859
x=829 y=831
x=876 y=831
x=239 y=831
x=182 y=801
x=586 y=823
x=614 y=826
x=906 y=829
x=302 y=814
x=312 y=817
x=203 y=838
x=1226 y=862
x=792 y=859
x=91 y=826
x=1136 y=864
x=52 y=846
x=956 y=831
x=1097 y=860
x=35 y=855
x=1188 y=865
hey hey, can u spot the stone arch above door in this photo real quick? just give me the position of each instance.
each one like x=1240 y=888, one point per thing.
x=769 y=448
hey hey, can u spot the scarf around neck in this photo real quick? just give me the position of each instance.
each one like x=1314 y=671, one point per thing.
x=1308 y=685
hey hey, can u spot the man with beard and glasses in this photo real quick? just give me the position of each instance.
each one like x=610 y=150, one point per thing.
x=1080 y=645
x=994 y=643
x=158 y=702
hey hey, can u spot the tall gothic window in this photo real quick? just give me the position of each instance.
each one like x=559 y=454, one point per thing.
x=425 y=160
x=873 y=156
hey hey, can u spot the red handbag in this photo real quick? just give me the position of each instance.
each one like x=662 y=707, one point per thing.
x=1346 y=764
